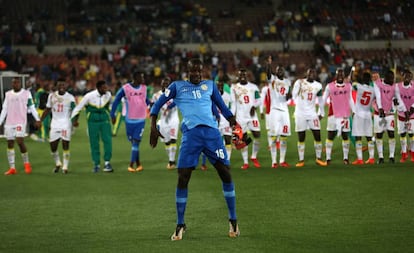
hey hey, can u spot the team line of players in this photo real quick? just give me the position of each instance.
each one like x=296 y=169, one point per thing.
x=371 y=110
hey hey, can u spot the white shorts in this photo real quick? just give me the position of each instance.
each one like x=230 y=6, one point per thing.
x=251 y=124
x=384 y=124
x=57 y=133
x=169 y=130
x=338 y=124
x=278 y=123
x=302 y=124
x=361 y=126
x=224 y=127
x=406 y=127
x=13 y=131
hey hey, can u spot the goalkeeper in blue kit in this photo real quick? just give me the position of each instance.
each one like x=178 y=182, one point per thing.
x=200 y=134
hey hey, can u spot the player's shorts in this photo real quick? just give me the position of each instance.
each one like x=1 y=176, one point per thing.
x=406 y=126
x=134 y=130
x=361 y=126
x=302 y=124
x=384 y=124
x=279 y=123
x=224 y=127
x=57 y=133
x=201 y=139
x=251 y=123
x=13 y=131
x=168 y=130
x=338 y=124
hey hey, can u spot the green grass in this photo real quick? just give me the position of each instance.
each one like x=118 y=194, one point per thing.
x=312 y=209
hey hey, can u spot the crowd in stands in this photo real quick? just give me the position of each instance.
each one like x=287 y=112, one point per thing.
x=146 y=34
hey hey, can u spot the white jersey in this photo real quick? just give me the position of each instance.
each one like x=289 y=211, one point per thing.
x=61 y=107
x=224 y=125
x=364 y=99
x=305 y=94
x=278 y=89
x=243 y=98
x=167 y=114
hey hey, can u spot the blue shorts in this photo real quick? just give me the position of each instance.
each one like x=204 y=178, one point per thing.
x=201 y=139
x=134 y=130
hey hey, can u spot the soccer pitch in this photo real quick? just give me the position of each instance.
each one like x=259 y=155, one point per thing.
x=339 y=208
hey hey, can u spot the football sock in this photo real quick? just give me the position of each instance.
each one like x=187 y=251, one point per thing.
x=301 y=151
x=25 y=157
x=403 y=142
x=283 y=148
x=173 y=150
x=55 y=156
x=66 y=157
x=391 y=145
x=358 y=147
x=168 y=150
x=203 y=159
x=345 y=148
x=379 y=148
x=371 y=149
x=134 y=152
x=228 y=149
x=273 y=150
x=230 y=196
x=245 y=154
x=318 y=149
x=328 y=146
x=181 y=202
x=11 y=158
x=255 y=149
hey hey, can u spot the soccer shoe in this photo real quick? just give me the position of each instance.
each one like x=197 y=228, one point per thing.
x=11 y=171
x=320 y=162
x=171 y=165
x=203 y=167
x=57 y=168
x=358 y=162
x=178 y=233
x=274 y=165
x=392 y=160
x=234 y=229
x=130 y=169
x=139 y=168
x=255 y=162
x=96 y=169
x=328 y=162
x=245 y=166
x=381 y=160
x=284 y=164
x=65 y=170
x=108 y=168
x=412 y=156
x=300 y=164
x=370 y=161
x=27 y=168
x=404 y=157
x=346 y=161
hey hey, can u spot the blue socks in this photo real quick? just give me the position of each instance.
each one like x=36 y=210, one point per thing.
x=134 y=152
x=181 y=202
x=230 y=197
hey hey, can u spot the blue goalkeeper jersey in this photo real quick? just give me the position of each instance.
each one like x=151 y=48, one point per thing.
x=195 y=102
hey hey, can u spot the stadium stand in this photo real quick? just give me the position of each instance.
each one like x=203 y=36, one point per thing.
x=145 y=33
